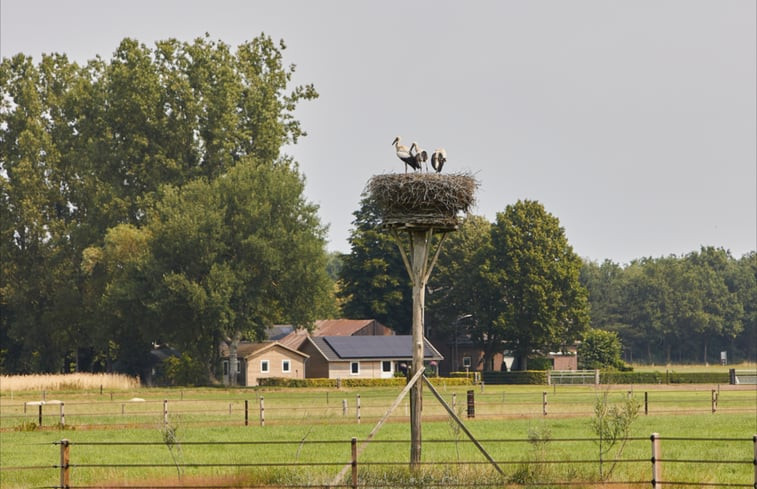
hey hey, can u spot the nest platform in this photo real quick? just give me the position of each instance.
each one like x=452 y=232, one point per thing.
x=422 y=200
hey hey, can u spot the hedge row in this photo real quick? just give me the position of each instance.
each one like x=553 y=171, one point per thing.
x=394 y=381
x=613 y=377
x=663 y=377
x=536 y=377
x=517 y=377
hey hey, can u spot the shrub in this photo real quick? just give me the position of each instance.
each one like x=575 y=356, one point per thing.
x=184 y=370
x=517 y=377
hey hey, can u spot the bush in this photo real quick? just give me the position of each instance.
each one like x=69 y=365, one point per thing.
x=618 y=377
x=184 y=370
x=540 y=363
x=535 y=377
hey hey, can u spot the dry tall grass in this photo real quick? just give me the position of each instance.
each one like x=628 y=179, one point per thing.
x=60 y=382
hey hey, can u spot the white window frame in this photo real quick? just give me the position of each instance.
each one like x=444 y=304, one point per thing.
x=265 y=366
x=286 y=366
x=352 y=372
x=386 y=362
x=467 y=362
x=239 y=366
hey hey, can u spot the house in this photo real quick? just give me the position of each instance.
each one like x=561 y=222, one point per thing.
x=268 y=359
x=362 y=356
x=329 y=327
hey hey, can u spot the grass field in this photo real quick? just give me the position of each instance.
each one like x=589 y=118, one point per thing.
x=310 y=427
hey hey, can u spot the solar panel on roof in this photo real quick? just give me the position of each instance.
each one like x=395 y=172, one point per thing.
x=373 y=346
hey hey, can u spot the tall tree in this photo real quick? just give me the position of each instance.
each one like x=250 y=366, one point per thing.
x=221 y=259
x=540 y=301
x=373 y=280
x=460 y=299
x=86 y=148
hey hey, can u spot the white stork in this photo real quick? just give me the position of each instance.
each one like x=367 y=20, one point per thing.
x=420 y=155
x=438 y=159
x=404 y=154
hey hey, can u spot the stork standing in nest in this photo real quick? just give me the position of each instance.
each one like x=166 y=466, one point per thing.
x=405 y=155
x=438 y=159
x=420 y=155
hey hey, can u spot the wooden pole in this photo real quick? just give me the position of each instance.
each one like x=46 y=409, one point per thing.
x=64 y=459
x=353 y=444
x=419 y=248
x=656 y=465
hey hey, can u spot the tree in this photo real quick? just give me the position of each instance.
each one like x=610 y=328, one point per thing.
x=84 y=149
x=373 y=280
x=459 y=288
x=600 y=349
x=540 y=302
x=221 y=259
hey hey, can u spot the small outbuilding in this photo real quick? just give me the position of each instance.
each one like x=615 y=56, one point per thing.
x=372 y=357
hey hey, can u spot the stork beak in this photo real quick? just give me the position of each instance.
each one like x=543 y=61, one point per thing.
x=395 y=141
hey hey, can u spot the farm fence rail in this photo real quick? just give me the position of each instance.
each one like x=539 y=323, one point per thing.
x=650 y=470
x=482 y=403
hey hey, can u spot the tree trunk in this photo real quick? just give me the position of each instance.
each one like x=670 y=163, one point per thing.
x=233 y=344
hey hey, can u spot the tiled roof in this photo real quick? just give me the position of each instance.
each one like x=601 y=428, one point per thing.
x=340 y=327
x=336 y=348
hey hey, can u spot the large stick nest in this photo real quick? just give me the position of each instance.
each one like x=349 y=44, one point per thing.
x=425 y=199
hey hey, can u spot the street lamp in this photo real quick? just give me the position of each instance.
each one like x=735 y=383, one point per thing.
x=454 y=344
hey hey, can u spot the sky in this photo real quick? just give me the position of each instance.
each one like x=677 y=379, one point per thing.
x=634 y=122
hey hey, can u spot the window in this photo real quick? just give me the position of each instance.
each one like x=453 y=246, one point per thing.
x=386 y=366
x=264 y=366
x=239 y=366
x=466 y=362
x=286 y=366
x=355 y=368
x=225 y=368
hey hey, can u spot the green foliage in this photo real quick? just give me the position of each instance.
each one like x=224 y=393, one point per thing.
x=373 y=280
x=612 y=425
x=121 y=222
x=540 y=363
x=184 y=371
x=540 y=302
x=534 y=469
x=683 y=309
x=517 y=377
x=600 y=349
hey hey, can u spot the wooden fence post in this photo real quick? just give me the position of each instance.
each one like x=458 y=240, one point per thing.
x=353 y=443
x=40 y=415
x=246 y=412
x=454 y=401
x=64 y=458
x=62 y=416
x=262 y=412
x=714 y=401
x=544 y=402
x=165 y=412
x=471 y=405
x=754 y=462
x=357 y=410
x=656 y=464
x=646 y=403
x=344 y=407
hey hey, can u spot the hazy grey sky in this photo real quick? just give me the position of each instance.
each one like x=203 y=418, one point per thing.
x=632 y=121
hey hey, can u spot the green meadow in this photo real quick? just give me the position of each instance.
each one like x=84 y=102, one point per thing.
x=305 y=436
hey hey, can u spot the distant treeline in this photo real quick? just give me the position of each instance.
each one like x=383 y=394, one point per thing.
x=680 y=309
